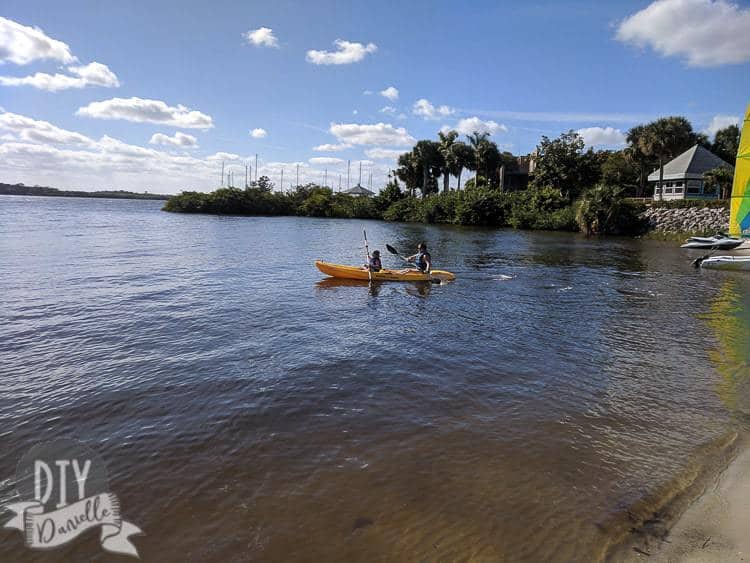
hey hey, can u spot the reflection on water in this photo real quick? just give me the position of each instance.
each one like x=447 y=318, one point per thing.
x=250 y=409
x=729 y=318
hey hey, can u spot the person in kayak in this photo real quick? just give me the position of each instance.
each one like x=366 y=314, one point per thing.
x=422 y=260
x=375 y=264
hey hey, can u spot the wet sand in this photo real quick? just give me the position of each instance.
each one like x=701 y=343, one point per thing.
x=714 y=528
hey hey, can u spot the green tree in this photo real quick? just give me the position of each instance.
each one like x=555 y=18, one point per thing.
x=619 y=169
x=446 y=146
x=562 y=164
x=264 y=183
x=719 y=181
x=389 y=195
x=476 y=140
x=463 y=157
x=486 y=157
x=409 y=171
x=643 y=162
x=604 y=210
x=727 y=143
x=430 y=162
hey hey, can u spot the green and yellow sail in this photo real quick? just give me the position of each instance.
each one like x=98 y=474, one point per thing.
x=739 y=218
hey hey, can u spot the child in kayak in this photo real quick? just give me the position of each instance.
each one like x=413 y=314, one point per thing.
x=422 y=260
x=375 y=265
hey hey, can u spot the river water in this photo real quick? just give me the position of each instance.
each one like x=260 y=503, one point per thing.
x=250 y=410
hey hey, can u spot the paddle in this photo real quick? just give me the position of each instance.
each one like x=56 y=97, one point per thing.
x=367 y=252
x=392 y=250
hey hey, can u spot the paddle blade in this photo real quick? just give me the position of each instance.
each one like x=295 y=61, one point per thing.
x=391 y=249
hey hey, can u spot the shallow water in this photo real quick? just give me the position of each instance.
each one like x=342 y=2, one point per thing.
x=249 y=409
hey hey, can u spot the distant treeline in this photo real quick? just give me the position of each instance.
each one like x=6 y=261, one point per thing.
x=571 y=188
x=20 y=189
x=602 y=210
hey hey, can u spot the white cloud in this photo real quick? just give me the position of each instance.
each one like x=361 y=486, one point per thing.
x=388 y=109
x=179 y=139
x=37 y=152
x=608 y=136
x=95 y=74
x=22 y=45
x=383 y=154
x=371 y=134
x=107 y=164
x=561 y=117
x=92 y=74
x=258 y=133
x=328 y=147
x=346 y=52
x=31 y=130
x=262 y=37
x=721 y=122
x=471 y=124
x=147 y=111
x=327 y=160
x=426 y=110
x=704 y=32
x=391 y=93
x=290 y=168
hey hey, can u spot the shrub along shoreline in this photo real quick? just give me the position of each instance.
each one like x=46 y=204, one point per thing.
x=600 y=210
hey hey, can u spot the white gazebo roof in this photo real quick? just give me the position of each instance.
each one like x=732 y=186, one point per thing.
x=693 y=163
x=358 y=190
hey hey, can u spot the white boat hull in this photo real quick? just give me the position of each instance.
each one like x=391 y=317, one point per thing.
x=713 y=243
x=738 y=263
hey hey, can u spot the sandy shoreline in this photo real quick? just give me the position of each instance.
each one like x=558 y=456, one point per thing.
x=714 y=528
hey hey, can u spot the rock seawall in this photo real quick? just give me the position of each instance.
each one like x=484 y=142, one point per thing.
x=687 y=219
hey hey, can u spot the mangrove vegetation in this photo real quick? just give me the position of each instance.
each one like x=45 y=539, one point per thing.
x=571 y=188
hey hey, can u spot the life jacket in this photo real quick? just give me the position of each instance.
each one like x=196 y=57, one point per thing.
x=421 y=260
x=375 y=264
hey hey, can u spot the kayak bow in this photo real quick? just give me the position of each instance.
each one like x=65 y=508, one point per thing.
x=355 y=273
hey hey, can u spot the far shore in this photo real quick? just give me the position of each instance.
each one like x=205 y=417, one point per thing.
x=20 y=189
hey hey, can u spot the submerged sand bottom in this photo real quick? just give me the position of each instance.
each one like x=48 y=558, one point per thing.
x=715 y=528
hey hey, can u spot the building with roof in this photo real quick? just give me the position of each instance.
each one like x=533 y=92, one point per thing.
x=516 y=178
x=683 y=175
x=358 y=191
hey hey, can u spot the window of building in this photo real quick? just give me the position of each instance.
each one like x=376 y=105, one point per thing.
x=668 y=191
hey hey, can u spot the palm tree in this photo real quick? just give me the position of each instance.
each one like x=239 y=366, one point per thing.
x=409 y=171
x=430 y=162
x=719 y=180
x=478 y=142
x=463 y=157
x=447 y=143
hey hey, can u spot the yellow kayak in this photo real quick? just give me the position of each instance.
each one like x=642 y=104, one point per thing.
x=357 y=273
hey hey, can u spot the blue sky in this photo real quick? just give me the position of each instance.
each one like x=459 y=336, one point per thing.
x=519 y=70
